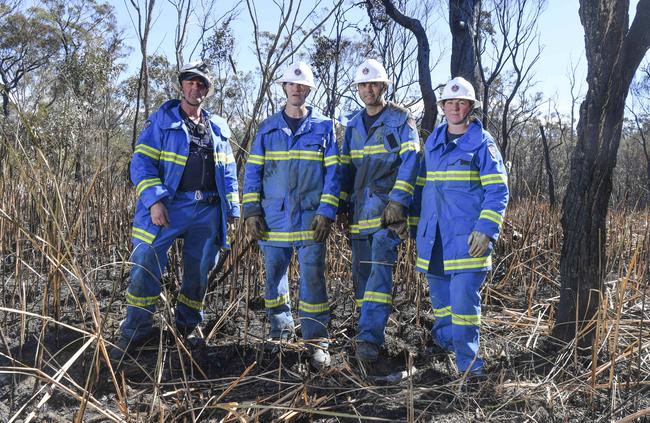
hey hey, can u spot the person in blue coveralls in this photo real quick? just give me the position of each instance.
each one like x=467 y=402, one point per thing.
x=379 y=163
x=291 y=189
x=186 y=184
x=462 y=193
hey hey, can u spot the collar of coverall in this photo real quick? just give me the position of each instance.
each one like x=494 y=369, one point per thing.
x=277 y=122
x=172 y=119
x=388 y=117
x=470 y=142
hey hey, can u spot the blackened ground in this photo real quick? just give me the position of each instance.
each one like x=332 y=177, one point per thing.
x=241 y=374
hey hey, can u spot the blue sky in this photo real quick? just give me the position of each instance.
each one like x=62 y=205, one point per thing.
x=561 y=36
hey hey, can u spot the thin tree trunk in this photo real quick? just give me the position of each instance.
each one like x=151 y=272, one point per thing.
x=424 y=73
x=549 y=169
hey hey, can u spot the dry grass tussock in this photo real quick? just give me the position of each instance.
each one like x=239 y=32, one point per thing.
x=64 y=252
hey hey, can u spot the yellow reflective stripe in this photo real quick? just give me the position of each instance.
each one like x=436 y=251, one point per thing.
x=330 y=199
x=453 y=175
x=313 y=308
x=404 y=186
x=422 y=263
x=147 y=151
x=232 y=197
x=140 y=301
x=493 y=178
x=276 y=302
x=359 y=301
x=413 y=220
x=222 y=157
x=491 y=215
x=143 y=235
x=368 y=150
x=256 y=159
x=146 y=183
x=169 y=156
x=251 y=197
x=294 y=155
x=442 y=312
x=288 y=236
x=365 y=224
x=420 y=181
x=408 y=146
x=196 y=305
x=331 y=160
x=346 y=159
x=377 y=297
x=343 y=195
x=468 y=263
x=465 y=319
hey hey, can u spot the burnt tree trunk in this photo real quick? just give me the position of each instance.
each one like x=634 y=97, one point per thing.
x=614 y=52
x=463 y=15
x=549 y=168
x=424 y=73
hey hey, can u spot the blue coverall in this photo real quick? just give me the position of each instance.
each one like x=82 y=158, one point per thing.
x=289 y=179
x=377 y=167
x=461 y=188
x=199 y=217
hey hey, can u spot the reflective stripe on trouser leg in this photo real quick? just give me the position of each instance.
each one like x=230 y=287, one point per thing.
x=466 y=319
x=377 y=298
x=200 y=252
x=149 y=261
x=361 y=258
x=276 y=296
x=441 y=332
x=314 y=310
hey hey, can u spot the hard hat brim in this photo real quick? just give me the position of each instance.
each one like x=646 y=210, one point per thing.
x=477 y=103
x=282 y=81
x=386 y=81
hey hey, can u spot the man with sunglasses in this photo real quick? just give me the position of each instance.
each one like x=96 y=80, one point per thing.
x=186 y=183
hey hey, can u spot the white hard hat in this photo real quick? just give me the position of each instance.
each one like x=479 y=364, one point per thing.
x=200 y=69
x=298 y=73
x=370 y=71
x=461 y=89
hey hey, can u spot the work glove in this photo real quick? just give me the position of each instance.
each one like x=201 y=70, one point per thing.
x=478 y=243
x=321 y=226
x=255 y=227
x=394 y=212
x=401 y=229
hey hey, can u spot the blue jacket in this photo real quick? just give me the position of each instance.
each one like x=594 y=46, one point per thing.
x=159 y=160
x=462 y=187
x=378 y=167
x=292 y=177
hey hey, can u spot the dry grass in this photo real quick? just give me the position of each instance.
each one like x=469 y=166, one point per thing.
x=64 y=248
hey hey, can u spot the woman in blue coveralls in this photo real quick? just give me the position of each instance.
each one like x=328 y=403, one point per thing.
x=463 y=193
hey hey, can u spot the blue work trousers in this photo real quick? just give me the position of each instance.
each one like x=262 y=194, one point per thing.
x=313 y=308
x=456 y=302
x=198 y=222
x=373 y=259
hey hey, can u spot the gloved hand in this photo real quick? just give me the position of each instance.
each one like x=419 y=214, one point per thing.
x=393 y=213
x=233 y=224
x=478 y=243
x=255 y=227
x=321 y=226
x=401 y=229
